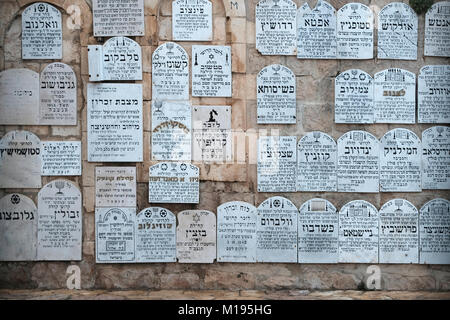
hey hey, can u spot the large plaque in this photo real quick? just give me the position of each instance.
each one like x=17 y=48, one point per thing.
x=61 y=158
x=115 y=235
x=156 y=235
x=192 y=20
x=59 y=222
x=316 y=36
x=358 y=162
x=316 y=162
x=433 y=94
x=437 y=30
x=358 y=233
x=18 y=228
x=58 y=95
x=196 y=236
x=353 y=97
x=211 y=71
x=318 y=232
x=434 y=232
x=173 y=182
x=436 y=158
x=399 y=232
x=397 y=32
x=170 y=72
x=355 y=32
x=276 y=231
x=276 y=95
x=400 y=161
x=236 y=232
x=20 y=160
x=41 y=32
x=19 y=97
x=114 y=122
x=276 y=31
x=115 y=186
x=118 y=18
x=277 y=162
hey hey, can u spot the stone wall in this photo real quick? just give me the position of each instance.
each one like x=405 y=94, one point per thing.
x=233 y=23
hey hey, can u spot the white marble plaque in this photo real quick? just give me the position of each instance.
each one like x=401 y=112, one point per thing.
x=170 y=72
x=434 y=232
x=276 y=231
x=400 y=161
x=318 y=231
x=433 y=94
x=212 y=136
x=276 y=27
x=399 y=232
x=19 y=97
x=353 y=97
x=395 y=96
x=358 y=233
x=115 y=235
x=18 y=228
x=171 y=130
x=59 y=222
x=173 y=182
x=397 y=32
x=114 y=122
x=277 y=162
x=316 y=162
x=236 y=232
x=115 y=186
x=118 y=18
x=437 y=30
x=354 y=32
x=276 y=95
x=358 y=162
x=211 y=71
x=156 y=235
x=61 y=158
x=316 y=31
x=58 y=95
x=41 y=32
x=192 y=20
x=20 y=160
x=436 y=158
x=196 y=236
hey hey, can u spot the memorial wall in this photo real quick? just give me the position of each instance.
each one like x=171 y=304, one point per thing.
x=224 y=144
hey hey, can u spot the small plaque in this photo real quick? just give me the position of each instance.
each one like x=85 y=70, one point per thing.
x=192 y=20
x=61 y=158
x=437 y=30
x=436 y=158
x=433 y=94
x=115 y=186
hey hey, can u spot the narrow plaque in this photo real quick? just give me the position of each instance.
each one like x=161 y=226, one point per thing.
x=437 y=30
x=433 y=94
x=115 y=186
x=192 y=20
x=61 y=158
x=436 y=158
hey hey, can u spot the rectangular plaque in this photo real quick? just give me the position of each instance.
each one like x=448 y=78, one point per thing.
x=115 y=186
x=192 y=20
x=61 y=158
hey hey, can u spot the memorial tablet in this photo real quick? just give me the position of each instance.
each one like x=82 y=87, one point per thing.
x=434 y=222
x=192 y=20
x=115 y=235
x=173 y=182
x=433 y=94
x=316 y=162
x=236 y=232
x=114 y=116
x=316 y=36
x=318 y=230
x=436 y=158
x=18 y=228
x=61 y=158
x=277 y=162
x=353 y=97
x=400 y=161
x=276 y=95
x=196 y=236
x=276 y=231
x=437 y=30
x=358 y=233
x=358 y=162
x=115 y=186
x=399 y=232
x=156 y=235
x=276 y=30
x=41 y=32
x=59 y=222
